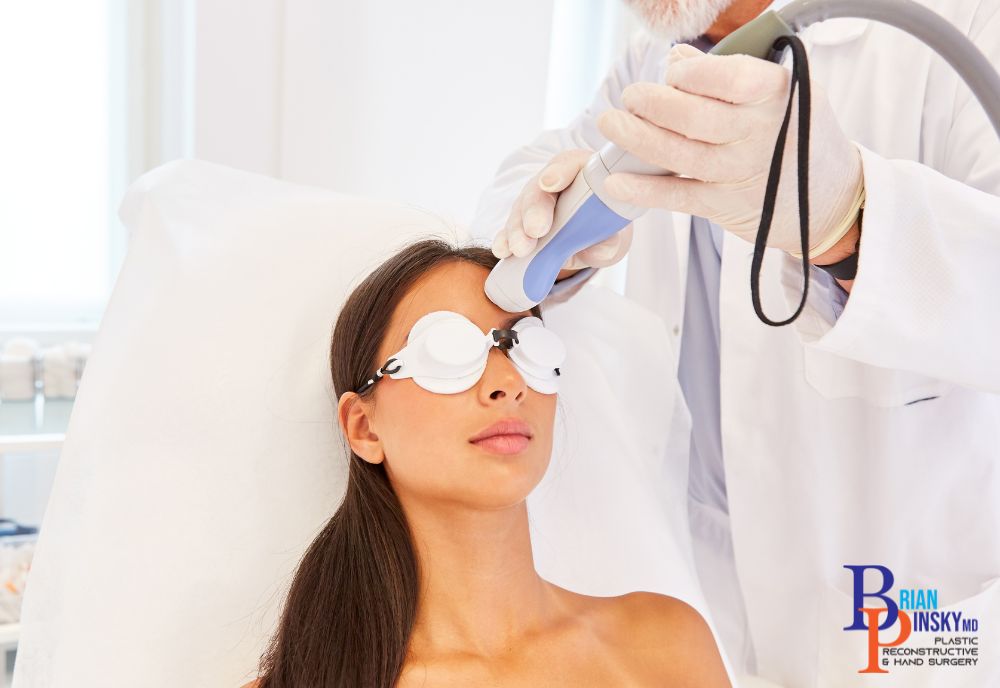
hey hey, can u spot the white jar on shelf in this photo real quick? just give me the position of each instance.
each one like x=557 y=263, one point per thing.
x=58 y=373
x=78 y=352
x=18 y=364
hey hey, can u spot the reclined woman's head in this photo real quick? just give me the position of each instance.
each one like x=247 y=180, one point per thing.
x=422 y=362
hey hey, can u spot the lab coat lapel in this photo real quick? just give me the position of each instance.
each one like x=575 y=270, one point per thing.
x=657 y=267
x=682 y=237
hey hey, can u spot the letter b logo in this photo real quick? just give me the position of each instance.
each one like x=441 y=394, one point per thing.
x=892 y=611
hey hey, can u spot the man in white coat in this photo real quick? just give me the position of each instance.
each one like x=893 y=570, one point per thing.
x=855 y=454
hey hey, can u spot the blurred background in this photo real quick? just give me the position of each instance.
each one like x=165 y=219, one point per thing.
x=416 y=102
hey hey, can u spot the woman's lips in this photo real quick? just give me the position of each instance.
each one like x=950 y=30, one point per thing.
x=504 y=426
x=503 y=444
x=506 y=436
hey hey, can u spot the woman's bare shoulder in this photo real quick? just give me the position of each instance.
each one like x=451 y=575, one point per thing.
x=653 y=606
x=672 y=634
x=253 y=684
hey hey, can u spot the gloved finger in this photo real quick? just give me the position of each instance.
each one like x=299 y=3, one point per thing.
x=539 y=200
x=562 y=170
x=500 y=248
x=601 y=251
x=726 y=163
x=730 y=78
x=519 y=243
x=512 y=228
x=501 y=242
x=574 y=263
x=536 y=216
x=682 y=51
x=678 y=194
x=608 y=252
x=695 y=117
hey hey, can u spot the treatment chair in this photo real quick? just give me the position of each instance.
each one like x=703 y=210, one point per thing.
x=203 y=453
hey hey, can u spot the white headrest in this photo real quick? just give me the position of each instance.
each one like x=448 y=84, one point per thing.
x=203 y=454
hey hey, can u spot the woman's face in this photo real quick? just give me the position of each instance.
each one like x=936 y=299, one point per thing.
x=424 y=437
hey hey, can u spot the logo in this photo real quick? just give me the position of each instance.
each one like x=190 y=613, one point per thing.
x=914 y=631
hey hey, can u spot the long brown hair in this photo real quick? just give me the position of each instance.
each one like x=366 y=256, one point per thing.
x=352 y=603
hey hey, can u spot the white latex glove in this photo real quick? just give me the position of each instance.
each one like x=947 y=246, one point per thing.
x=531 y=217
x=716 y=121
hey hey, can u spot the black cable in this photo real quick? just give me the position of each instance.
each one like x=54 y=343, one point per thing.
x=800 y=75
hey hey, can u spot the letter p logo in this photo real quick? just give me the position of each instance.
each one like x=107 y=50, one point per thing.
x=874 y=643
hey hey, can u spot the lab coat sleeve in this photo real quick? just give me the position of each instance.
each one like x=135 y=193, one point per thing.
x=644 y=60
x=925 y=299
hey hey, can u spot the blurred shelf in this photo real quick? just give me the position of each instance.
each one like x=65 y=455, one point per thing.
x=30 y=443
x=34 y=425
x=9 y=633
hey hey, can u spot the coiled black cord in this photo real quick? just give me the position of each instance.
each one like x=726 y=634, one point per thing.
x=800 y=76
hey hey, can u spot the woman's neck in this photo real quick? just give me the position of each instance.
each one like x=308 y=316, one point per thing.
x=479 y=589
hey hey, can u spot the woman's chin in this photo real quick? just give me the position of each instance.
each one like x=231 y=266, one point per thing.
x=508 y=478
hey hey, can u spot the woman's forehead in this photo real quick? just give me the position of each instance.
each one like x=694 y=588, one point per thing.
x=456 y=287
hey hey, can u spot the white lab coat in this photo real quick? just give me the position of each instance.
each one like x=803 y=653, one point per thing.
x=872 y=438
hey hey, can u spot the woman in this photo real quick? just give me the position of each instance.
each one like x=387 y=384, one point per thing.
x=424 y=576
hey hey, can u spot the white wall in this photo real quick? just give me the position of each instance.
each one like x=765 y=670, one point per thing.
x=411 y=101
x=418 y=101
x=237 y=82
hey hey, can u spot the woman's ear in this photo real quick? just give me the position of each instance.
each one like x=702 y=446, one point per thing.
x=354 y=416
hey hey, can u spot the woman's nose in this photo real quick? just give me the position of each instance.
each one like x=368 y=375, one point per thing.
x=501 y=380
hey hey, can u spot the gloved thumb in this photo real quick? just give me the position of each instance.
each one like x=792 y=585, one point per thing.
x=608 y=252
x=682 y=51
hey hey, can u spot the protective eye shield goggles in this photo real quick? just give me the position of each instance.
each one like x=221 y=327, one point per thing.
x=446 y=353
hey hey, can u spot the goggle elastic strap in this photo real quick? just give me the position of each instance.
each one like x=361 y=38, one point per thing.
x=384 y=370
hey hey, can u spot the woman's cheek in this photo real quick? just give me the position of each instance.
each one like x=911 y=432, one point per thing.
x=425 y=442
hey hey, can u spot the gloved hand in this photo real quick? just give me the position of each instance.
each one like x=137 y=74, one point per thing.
x=531 y=217
x=716 y=121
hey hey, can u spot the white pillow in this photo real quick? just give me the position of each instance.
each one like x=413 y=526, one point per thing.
x=203 y=454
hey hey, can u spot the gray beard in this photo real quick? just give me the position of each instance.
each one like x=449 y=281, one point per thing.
x=678 y=20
